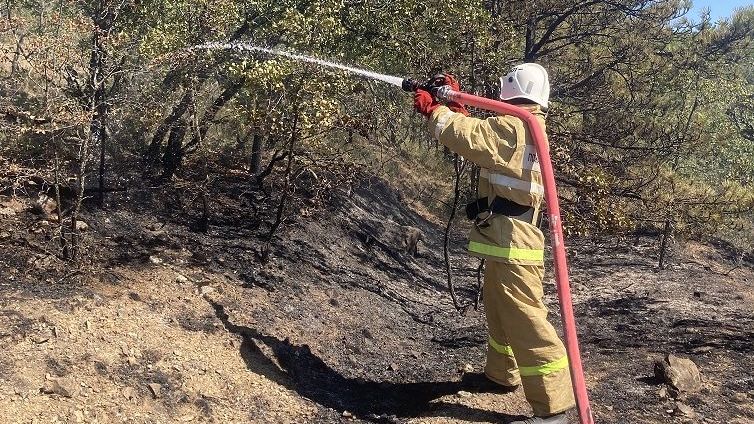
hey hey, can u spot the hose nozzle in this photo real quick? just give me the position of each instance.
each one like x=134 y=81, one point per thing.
x=410 y=85
x=438 y=80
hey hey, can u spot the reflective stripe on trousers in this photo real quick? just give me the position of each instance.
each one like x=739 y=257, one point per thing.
x=543 y=369
x=506 y=252
x=499 y=348
x=511 y=182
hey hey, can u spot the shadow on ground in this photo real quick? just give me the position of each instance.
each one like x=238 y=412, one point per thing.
x=310 y=377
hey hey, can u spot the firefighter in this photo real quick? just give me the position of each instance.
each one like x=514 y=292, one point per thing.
x=523 y=346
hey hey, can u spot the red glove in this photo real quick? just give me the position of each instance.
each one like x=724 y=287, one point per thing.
x=451 y=80
x=455 y=106
x=424 y=102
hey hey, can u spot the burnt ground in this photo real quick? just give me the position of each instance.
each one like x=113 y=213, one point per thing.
x=336 y=322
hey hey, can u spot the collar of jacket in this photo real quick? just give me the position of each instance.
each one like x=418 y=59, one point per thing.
x=535 y=109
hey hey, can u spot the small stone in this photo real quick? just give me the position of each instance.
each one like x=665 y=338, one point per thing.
x=204 y=290
x=39 y=340
x=88 y=325
x=463 y=394
x=609 y=407
x=180 y=278
x=81 y=226
x=393 y=367
x=155 y=260
x=347 y=414
x=44 y=223
x=156 y=390
x=682 y=409
x=467 y=368
x=128 y=393
x=740 y=398
x=57 y=387
x=334 y=302
x=663 y=393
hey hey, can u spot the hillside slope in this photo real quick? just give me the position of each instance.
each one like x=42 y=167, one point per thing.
x=338 y=323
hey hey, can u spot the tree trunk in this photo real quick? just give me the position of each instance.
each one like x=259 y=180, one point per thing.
x=98 y=108
x=209 y=115
x=153 y=152
x=102 y=148
x=257 y=149
x=14 y=68
x=666 y=234
x=173 y=156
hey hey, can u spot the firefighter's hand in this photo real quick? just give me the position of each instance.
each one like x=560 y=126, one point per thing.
x=455 y=106
x=451 y=80
x=424 y=102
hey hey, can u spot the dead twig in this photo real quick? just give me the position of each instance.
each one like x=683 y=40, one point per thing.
x=459 y=167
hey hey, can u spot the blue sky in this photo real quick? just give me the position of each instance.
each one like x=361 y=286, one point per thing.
x=718 y=9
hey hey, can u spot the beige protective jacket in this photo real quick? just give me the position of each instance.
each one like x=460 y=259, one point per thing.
x=504 y=149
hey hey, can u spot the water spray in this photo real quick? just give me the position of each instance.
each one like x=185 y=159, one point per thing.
x=446 y=93
x=249 y=48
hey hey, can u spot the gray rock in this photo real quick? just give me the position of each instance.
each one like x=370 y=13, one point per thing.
x=740 y=398
x=680 y=374
x=663 y=392
x=44 y=205
x=681 y=409
x=156 y=390
x=58 y=387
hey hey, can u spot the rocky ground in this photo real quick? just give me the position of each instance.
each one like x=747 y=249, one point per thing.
x=337 y=322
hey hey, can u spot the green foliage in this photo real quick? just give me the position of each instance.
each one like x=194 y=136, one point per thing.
x=652 y=115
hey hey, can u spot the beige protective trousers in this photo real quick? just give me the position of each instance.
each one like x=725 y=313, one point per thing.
x=523 y=346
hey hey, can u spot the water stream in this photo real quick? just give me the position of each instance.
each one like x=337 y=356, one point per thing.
x=243 y=47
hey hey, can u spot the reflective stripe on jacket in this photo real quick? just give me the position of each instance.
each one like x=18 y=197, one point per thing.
x=504 y=149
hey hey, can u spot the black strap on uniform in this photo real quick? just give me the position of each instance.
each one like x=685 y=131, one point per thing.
x=499 y=206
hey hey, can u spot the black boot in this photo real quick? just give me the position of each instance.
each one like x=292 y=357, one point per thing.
x=552 y=419
x=479 y=383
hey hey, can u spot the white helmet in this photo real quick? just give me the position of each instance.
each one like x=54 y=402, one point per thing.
x=526 y=81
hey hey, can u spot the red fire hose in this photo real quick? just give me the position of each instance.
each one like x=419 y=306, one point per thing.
x=556 y=233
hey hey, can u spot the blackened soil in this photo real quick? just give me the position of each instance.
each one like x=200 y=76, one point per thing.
x=335 y=313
